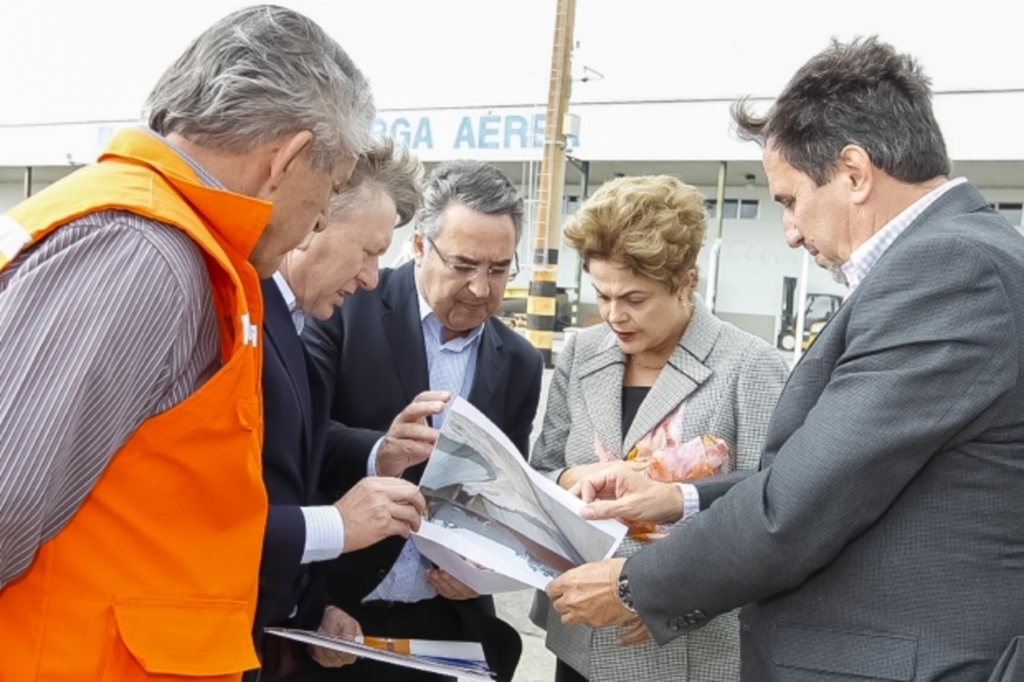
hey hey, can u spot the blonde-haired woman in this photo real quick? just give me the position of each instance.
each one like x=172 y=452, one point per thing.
x=659 y=372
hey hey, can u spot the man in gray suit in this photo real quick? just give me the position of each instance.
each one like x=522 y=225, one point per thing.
x=883 y=537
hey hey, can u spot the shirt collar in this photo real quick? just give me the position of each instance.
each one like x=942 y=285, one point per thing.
x=865 y=256
x=298 y=318
x=204 y=175
x=433 y=325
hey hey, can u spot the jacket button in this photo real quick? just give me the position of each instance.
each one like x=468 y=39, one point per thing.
x=695 y=617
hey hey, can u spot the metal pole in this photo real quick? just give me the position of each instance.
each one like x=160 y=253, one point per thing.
x=723 y=166
x=28 y=181
x=801 y=307
x=584 y=167
x=716 y=245
x=541 y=304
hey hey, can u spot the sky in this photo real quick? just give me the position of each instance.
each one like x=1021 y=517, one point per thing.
x=96 y=60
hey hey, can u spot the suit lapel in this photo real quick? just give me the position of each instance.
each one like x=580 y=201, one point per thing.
x=683 y=374
x=601 y=383
x=283 y=341
x=489 y=367
x=404 y=331
x=681 y=377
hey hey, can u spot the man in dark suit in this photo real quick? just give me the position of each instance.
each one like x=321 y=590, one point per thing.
x=882 y=537
x=302 y=526
x=428 y=328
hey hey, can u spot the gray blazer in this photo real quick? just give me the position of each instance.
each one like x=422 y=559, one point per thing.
x=730 y=381
x=883 y=538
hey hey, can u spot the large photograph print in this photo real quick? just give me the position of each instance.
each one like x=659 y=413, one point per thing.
x=488 y=506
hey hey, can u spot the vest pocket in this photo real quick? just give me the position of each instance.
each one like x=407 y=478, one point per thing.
x=807 y=653
x=166 y=639
x=249 y=413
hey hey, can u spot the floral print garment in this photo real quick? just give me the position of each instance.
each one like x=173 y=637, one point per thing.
x=670 y=460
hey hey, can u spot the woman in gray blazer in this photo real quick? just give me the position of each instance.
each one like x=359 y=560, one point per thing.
x=660 y=371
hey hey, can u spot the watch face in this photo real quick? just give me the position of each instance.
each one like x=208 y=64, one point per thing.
x=625 y=596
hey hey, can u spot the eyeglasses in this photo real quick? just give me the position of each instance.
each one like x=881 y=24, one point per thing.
x=469 y=272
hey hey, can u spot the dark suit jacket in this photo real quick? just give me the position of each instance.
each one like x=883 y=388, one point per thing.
x=883 y=537
x=295 y=425
x=371 y=354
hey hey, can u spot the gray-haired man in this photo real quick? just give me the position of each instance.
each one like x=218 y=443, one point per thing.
x=131 y=504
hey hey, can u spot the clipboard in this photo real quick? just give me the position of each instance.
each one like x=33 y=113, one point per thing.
x=443 y=664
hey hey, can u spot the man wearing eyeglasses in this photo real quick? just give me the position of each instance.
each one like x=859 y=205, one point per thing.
x=427 y=328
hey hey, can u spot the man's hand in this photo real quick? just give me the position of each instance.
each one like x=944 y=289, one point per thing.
x=571 y=476
x=448 y=587
x=410 y=439
x=376 y=508
x=589 y=595
x=618 y=491
x=637 y=634
x=336 y=623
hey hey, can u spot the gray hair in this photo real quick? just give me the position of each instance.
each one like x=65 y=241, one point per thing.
x=863 y=93
x=257 y=75
x=397 y=173
x=474 y=184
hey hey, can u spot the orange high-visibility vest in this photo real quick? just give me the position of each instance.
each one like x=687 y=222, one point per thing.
x=155 y=576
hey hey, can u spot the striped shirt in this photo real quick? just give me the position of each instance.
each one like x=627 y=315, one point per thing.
x=106 y=322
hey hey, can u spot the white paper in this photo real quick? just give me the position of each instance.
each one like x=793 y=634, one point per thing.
x=516 y=528
x=450 y=549
x=468 y=671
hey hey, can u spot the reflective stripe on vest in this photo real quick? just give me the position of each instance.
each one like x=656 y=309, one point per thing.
x=13 y=237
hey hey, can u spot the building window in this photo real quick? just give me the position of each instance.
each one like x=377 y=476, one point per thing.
x=1011 y=211
x=732 y=209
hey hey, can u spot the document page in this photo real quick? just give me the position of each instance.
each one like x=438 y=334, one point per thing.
x=492 y=521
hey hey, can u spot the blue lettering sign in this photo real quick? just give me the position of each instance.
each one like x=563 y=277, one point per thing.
x=488 y=129
x=423 y=136
x=475 y=131
x=465 y=134
x=539 y=121
x=515 y=126
x=400 y=131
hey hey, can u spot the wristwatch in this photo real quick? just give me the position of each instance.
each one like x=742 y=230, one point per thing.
x=625 y=596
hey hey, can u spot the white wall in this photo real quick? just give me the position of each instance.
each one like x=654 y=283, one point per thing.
x=10 y=194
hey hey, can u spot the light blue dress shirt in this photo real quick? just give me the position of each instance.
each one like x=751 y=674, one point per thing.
x=452 y=368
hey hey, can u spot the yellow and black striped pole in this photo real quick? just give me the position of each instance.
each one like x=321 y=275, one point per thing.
x=541 y=304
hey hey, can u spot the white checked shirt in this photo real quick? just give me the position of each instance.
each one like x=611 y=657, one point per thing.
x=452 y=368
x=867 y=254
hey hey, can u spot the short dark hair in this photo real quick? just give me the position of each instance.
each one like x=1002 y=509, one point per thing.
x=475 y=184
x=862 y=93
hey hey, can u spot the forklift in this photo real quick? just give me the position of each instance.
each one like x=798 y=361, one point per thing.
x=820 y=309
